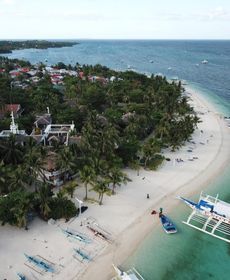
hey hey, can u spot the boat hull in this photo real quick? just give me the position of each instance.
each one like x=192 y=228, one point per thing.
x=167 y=225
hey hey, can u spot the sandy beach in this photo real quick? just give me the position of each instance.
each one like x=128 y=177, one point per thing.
x=125 y=217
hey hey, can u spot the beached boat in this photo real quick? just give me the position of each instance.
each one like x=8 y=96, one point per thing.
x=167 y=224
x=21 y=276
x=76 y=235
x=210 y=215
x=131 y=274
x=40 y=263
x=83 y=254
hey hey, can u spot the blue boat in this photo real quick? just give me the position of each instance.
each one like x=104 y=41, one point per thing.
x=21 y=276
x=167 y=224
x=76 y=235
x=40 y=263
x=83 y=254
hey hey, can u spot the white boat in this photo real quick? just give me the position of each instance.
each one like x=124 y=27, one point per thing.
x=210 y=215
x=131 y=274
x=204 y=61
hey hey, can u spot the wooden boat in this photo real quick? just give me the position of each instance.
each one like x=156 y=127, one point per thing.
x=40 y=263
x=98 y=233
x=167 y=224
x=83 y=255
x=76 y=235
x=131 y=274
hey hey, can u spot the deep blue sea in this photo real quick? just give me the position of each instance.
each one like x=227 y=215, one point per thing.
x=189 y=254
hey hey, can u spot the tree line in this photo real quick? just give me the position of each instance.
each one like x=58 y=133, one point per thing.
x=119 y=123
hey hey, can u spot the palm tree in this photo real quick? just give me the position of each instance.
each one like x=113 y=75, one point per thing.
x=102 y=187
x=5 y=170
x=117 y=177
x=18 y=179
x=65 y=160
x=87 y=175
x=11 y=152
x=33 y=163
x=150 y=148
x=44 y=197
x=23 y=204
x=70 y=188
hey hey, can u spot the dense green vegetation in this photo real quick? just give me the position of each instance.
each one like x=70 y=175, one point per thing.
x=8 y=46
x=121 y=122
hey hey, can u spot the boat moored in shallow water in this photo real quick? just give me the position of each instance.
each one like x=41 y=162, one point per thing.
x=210 y=215
x=131 y=274
x=167 y=224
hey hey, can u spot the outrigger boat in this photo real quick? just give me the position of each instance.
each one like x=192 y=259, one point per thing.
x=131 y=274
x=21 y=276
x=167 y=224
x=76 y=235
x=40 y=263
x=98 y=233
x=84 y=255
x=210 y=215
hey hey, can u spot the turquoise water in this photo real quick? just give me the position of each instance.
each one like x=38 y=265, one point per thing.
x=189 y=254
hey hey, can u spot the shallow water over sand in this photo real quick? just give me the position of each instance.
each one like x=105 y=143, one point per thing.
x=189 y=254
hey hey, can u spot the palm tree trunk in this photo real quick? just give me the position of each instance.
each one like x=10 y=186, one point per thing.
x=86 y=191
x=146 y=160
x=113 y=191
x=101 y=198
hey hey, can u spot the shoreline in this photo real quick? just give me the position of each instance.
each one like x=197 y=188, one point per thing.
x=144 y=224
x=126 y=216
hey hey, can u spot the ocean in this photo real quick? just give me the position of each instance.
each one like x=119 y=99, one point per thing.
x=189 y=254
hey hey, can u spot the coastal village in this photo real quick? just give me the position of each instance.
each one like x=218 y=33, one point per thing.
x=73 y=244
x=114 y=140
x=43 y=131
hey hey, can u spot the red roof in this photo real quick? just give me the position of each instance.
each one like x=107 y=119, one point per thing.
x=2 y=70
x=15 y=73
x=12 y=107
x=25 y=69
x=81 y=74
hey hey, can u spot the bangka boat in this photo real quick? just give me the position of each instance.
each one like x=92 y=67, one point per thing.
x=83 y=254
x=210 y=215
x=76 y=235
x=40 y=263
x=21 y=276
x=167 y=224
x=98 y=233
x=131 y=274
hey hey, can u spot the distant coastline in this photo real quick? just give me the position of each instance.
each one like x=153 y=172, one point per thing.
x=7 y=46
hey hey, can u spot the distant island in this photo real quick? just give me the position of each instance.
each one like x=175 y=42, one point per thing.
x=9 y=46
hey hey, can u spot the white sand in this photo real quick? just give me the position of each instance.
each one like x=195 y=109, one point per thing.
x=126 y=216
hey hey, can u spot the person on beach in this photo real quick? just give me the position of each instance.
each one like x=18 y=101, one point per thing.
x=160 y=213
